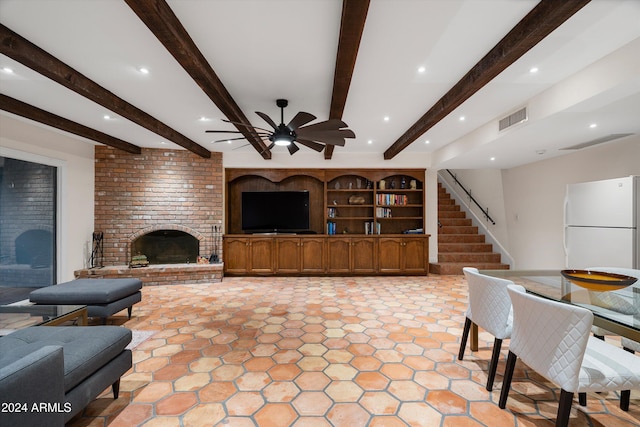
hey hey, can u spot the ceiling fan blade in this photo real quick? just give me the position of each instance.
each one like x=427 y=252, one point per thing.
x=229 y=139
x=273 y=144
x=331 y=124
x=325 y=139
x=292 y=148
x=313 y=134
x=313 y=145
x=246 y=125
x=242 y=146
x=268 y=120
x=300 y=119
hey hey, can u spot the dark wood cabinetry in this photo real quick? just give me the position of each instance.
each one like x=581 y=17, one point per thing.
x=362 y=221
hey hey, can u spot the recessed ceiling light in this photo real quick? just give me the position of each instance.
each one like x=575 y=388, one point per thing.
x=370 y=141
x=386 y=118
x=492 y=159
x=143 y=70
x=427 y=141
x=593 y=125
x=533 y=70
x=229 y=142
x=107 y=117
x=7 y=70
x=204 y=119
x=162 y=142
x=462 y=118
x=421 y=69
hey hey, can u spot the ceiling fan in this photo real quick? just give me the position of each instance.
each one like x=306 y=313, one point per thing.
x=315 y=136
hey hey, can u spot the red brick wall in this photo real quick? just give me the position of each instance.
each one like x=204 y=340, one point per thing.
x=154 y=190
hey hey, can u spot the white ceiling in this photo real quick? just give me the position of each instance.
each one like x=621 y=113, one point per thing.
x=262 y=50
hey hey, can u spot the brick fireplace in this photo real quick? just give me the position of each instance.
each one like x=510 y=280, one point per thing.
x=157 y=191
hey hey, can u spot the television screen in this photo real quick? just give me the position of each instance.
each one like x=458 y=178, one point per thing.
x=275 y=211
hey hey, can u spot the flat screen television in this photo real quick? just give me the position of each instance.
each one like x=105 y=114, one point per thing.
x=275 y=211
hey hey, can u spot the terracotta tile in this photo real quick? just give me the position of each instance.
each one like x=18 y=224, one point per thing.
x=253 y=381
x=244 y=403
x=312 y=363
x=280 y=391
x=339 y=371
x=312 y=403
x=286 y=372
x=407 y=391
x=259 y=364
x=397 y=371
x=379 y=403
x=366 y=363
x=275 y=415
x=447 y=402
x=217 y=391
x=153 y=392
x=371 y=381
x=419 y=414
x=386 y=421
x=170 y=372
x=132 y=415
x=205 y=364
x=347 y=415
x=185 y=356
x=175 y=404
x=163 y=422
x=227 y=372
x=312 y=381
x=490 y=413
x=204 y=414
x=344 y=391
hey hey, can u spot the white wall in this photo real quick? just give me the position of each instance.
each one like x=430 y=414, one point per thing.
x=75 y=160
x=534 y=197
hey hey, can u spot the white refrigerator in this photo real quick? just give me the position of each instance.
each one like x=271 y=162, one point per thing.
x=601 y=225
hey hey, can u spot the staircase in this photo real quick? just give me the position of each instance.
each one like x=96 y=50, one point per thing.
x=459 y=244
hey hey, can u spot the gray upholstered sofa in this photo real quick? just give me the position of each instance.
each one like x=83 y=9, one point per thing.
x=49 y=374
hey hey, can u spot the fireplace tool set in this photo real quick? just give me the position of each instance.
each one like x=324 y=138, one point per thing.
x=216 y=236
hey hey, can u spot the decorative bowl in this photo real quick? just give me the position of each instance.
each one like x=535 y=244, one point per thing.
x=598 y=280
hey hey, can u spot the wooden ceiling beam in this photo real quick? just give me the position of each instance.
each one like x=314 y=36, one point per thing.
x=23 y=109
x=354 y=15
x=22 y=50
x=535 y=26
x=163 y=23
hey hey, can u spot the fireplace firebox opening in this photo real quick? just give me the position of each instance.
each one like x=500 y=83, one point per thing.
x=167 y=247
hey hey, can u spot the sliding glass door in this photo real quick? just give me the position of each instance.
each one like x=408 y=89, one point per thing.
x=27 y=223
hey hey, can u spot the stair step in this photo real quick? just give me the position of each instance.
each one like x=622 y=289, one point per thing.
x=468 y=257
x=451 y=214
x=461 y=229
x=445 y=208
x=455 y=268
x=446 y=202
x=465 y=247
x=460 y=238
x=445 y=222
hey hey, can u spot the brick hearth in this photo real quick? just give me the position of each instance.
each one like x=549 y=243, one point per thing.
x=162 y=274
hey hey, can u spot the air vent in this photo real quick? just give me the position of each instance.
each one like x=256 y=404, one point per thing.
x=513 y=119
x=597 y=141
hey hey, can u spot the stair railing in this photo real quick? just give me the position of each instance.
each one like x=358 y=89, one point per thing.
x=484 y=211
x=506 y=256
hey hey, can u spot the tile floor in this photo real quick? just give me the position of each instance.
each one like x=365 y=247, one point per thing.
x=318 y=351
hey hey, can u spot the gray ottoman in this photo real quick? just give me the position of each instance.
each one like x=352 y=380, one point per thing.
x=103 y=297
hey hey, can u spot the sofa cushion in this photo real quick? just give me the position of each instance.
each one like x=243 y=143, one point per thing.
x=85 y=348
x=86 y=291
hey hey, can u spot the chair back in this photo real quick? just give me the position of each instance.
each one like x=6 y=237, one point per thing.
x=549 y=336
x=489 y=303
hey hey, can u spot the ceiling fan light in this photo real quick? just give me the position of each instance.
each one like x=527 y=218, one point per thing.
x=283 y=140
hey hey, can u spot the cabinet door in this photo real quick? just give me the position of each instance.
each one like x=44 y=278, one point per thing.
x=416 y=259
x=261 y=255
x=312 y=255
x=339 y=255
x=391 y=252
x=236 y=255
x=287 y=255
x=364 y=254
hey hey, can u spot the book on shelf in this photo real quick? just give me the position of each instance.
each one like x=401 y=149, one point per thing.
x=331 y=227
x=391 y=199
x=331 y=212
x=383 y=212
x=371 y=227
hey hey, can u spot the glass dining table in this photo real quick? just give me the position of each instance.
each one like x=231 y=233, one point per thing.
x=617 y=310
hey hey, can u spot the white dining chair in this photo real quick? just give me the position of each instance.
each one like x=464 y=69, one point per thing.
x=489 y=308
x=553 y=339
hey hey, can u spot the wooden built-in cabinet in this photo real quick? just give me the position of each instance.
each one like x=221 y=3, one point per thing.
x=358 y=224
